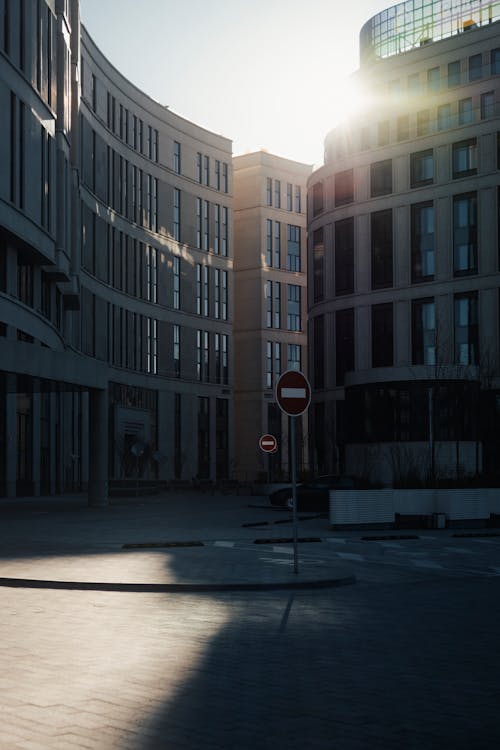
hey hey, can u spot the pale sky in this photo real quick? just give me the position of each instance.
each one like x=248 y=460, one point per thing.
x=265 y=73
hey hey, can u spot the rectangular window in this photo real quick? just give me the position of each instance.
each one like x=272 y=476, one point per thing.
x=487 y=105
x=269 y=365
x=218 y=363
x=269 y=191
x=495 y=61
x=466 y=329
x=414 y=83
x=154 y=206
x=403 y=128
x=177 y=351
x=289 y=196
x=224 y=230
x=277 y=194
x=198 y=288
x=225 y=359
x=433 y=79
x=319 y=352
x=465 y=234
x=423 y=122
x=465 y=112
x=464 y=158
x=421 y=168
x=277 y=244
x=224 y=295
x=383 y=133
x=293 y=248
x=217 y=174
x=216 y=293
x=269 y=304
x=177 y=157
x=298 y=199
x=269 y=242
x=381 y=249
x=216 y=228
x=344 y=187
x=277 y=304
x=177 y=215
x=293 y=308
x=206 y=300
x=382 y=335
x=317 y=198
x=294 y=357
x=156 y=145
x=423 y=327
x=206 y=170
x=422 y=242
x=444 y=117
x=475 y=67
x=344 y=256
x=225 y=179
x=176 y=270
x=277 y=360
x=381 y=178
x=344 y=344
x=318 y=265
x=198 y=223
x=206 y=356
x=198 y=355
x=454 y=73
x=198 y=166
x=206 y=215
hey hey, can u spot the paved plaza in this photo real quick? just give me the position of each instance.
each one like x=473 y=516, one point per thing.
x=147 y=647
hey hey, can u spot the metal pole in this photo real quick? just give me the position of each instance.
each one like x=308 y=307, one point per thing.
x=294 y=495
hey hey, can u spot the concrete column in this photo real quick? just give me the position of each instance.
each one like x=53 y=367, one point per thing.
x=98 y=448
x=11 y=433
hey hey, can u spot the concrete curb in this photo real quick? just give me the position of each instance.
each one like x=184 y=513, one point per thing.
x=179 y=588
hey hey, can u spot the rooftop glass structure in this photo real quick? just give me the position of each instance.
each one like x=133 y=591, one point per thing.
x=418 y=22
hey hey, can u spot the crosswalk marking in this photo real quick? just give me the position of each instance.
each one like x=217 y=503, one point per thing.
x=285 y=550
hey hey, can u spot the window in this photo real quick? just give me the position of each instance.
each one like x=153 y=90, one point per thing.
x=225 y=181
x=177 y=215
x=216 y=293
x=206 y=222
x=289 y=188
x=277 y=194
x=224 y=295
x=344 y=343
x=177 y=157
x=454 y=73
x=206 y=357
x=277 y=359
x=495 y=61
x=381 y=249
x=421 y=168
x=176 y=270
x=444 y=117
x=403 y=128
x=365 y=138
x=465 y=234
x=269 y=242
x=149 y=142
x=344 y=187
x=294 y=357
x=414 y=83
x=198 y=288
x=318 y=265
x=216 y=228
x=198 y=223
x=277 y=244
x=177 y=351
x=487 y=104
x=198 y=167
x=224 y=230
x=225 y=364
x=198 y=355
x=466 y=329
x=152 y=346
x=433 y=79
x=344 y=256
x=423 y=120
x=422 y=242
x=269 y=191
x=269 y=365
x=155 y=144
x=269 y=304
x=383 y=133
x=319 y=352
x=317 y=198
x=293 y=248
x=205 y=292
x=217 y=174
x=475 y=67
x=206 y=170
x=423 y=327
x=277 y=304
x=298 y=199
x=293 y=308
x=464 y=158
x=465 y=113
x=382 y=335
x=381 y=178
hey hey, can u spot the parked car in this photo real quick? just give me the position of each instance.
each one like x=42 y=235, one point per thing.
x=313 y=495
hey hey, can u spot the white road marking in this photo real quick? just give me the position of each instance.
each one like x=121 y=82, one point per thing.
x=285 y=550
x=426 y=564
x=224 y=544
x=350 y=556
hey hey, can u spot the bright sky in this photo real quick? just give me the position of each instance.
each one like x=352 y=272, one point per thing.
x=265 y=73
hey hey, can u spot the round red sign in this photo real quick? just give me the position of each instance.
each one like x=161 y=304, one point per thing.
x=268 y=443
x=293 y=393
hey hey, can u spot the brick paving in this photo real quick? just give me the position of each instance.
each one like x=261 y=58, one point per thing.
x=407 y=658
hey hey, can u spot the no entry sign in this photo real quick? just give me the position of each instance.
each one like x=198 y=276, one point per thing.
x=268 y=443
x=293 y=393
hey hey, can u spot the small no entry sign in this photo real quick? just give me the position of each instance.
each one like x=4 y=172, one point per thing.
x=268 y=443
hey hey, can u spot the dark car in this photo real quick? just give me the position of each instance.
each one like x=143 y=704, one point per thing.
x=313 y=495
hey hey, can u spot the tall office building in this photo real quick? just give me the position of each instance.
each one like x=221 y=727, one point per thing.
x=115 y=271
x=404 y=253
x=270 y=306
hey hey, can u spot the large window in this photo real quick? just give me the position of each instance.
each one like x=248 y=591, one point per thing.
x=344 y=343
x=177 y=157
x=454 y=73
x=317 y=198
x=269 y=191
x=269 y=242
x=423 y=325
x=319 y=352
x=421 y=168
x=464 y=158
x=344 y=256
x=465 y=234
x=177 y=215
x=475 y=67
x=433 y=79
x=293 y=247
x=318 y=265
x=381 y=249
x=422 y=242
x=423 y=122
x=381 y=178
x=382 y=335
x=293 y=308
x=466 y=329
x=277 y=244
x=444 y=117
x=344 y=187
x=495 y=61
x=487 y=105
x=294 y=357
x=465 y=111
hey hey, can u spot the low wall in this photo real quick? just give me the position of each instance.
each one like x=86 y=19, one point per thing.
x=381 y=506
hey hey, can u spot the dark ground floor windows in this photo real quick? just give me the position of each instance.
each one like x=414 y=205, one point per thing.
x=203 y=438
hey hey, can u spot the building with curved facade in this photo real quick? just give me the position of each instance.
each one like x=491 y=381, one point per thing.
x=115 y=271
x=404 y=253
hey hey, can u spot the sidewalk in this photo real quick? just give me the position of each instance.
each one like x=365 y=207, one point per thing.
x=177 y=541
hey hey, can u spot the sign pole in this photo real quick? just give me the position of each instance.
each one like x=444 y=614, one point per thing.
x=294 y=495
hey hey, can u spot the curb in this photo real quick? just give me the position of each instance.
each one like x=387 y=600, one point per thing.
x=31 y=583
